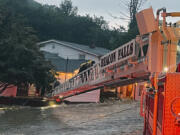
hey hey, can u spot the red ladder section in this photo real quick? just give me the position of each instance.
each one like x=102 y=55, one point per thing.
x=125 y=65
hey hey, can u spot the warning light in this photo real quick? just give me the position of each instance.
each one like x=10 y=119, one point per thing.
x=165 y=69
x=58 y=100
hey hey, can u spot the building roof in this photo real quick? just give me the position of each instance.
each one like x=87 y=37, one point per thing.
x=97 y=51
x=60 y=63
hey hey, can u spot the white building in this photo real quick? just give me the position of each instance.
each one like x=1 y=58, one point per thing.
x=72 y=51
x=67 y=57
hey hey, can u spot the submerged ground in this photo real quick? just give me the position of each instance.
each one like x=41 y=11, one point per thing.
x=110 y=118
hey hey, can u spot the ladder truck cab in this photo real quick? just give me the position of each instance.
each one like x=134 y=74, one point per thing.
x=160 y=103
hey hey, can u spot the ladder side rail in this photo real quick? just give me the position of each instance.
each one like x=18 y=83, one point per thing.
x=93 y=75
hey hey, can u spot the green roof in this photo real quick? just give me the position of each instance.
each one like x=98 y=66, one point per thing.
x=60 y=63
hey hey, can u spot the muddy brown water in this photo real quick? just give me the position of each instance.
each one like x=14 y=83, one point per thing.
x=111 y=118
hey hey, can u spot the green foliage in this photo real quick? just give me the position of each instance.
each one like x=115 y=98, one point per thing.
x=22 y=21
x=133 y=6
x=21 y=62
x=67 y=8
x=63 y=23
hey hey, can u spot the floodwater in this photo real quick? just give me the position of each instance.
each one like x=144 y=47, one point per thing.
x=110 y=118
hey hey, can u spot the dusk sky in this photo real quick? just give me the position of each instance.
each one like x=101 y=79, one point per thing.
x=106 y=7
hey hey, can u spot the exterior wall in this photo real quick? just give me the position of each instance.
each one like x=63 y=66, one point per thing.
x=32 y=91
x=92 y=96
x=126 y=91
x=9 y=92
x=65 y=52
x=138 y=90
x=62 y=76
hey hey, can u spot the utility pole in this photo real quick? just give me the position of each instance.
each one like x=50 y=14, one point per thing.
x=67 y=60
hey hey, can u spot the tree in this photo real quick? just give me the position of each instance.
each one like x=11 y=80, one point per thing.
x=63 y=23
x=68 y=9
x=21 y=61
x=132 y=7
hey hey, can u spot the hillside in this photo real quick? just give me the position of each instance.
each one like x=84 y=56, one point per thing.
x=64 y=23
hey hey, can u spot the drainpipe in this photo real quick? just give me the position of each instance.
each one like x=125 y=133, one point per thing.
x=158 y=13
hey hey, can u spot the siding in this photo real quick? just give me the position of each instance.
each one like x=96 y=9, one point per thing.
x=65 y=52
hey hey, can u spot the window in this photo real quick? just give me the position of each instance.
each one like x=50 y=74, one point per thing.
x=82 y=56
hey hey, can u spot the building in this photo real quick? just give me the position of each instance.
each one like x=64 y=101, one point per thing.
x=72 y=50
x=67 y=57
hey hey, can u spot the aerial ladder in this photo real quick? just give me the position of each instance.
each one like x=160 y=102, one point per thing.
x=145 y=68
